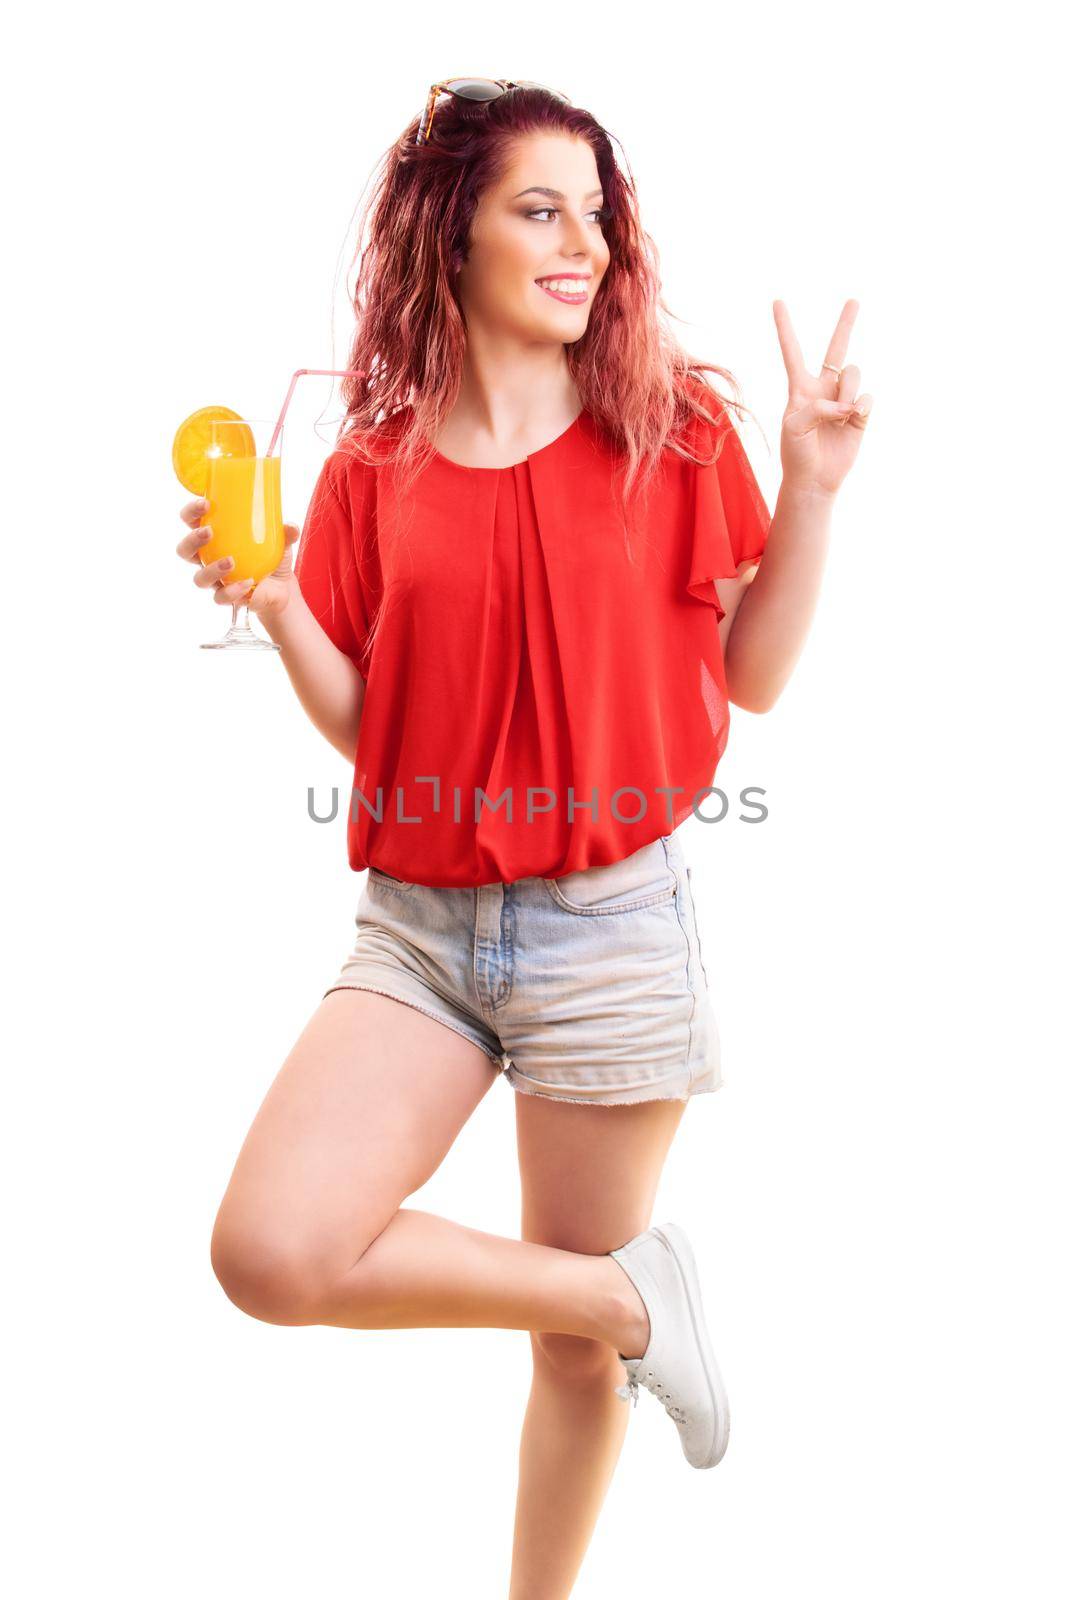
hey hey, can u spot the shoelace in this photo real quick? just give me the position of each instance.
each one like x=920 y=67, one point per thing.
x=631 y=1388
x=628 y=1389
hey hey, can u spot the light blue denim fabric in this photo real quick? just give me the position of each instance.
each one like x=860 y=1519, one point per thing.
x=588 y=987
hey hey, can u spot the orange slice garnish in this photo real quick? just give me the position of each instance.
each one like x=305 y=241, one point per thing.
x=193 y=445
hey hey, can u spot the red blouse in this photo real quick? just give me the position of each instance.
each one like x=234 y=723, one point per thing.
x=522 y=661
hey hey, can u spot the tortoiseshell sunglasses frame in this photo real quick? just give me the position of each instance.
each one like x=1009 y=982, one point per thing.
x=503 y=84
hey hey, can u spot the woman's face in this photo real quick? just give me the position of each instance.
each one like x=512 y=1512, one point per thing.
x=520 y=237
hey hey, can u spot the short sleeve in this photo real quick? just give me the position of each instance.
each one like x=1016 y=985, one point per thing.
x=334 y=563
x=730 y=516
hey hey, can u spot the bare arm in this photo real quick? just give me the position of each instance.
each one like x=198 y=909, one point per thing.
x=769 y=609
x=327 y=682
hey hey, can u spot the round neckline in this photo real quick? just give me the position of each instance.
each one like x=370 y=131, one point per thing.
x=551 y=445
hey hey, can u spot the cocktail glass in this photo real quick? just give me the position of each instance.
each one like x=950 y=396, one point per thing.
x=244 y=494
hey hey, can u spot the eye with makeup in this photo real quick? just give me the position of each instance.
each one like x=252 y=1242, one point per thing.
x=603 y=213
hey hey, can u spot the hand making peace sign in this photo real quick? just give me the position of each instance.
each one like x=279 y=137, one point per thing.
x=824 y=420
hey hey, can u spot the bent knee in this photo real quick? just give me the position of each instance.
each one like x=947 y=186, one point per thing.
x=264 y=1277
x=569 y=1355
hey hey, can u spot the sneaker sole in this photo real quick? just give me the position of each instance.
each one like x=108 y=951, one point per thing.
x=677 y=1243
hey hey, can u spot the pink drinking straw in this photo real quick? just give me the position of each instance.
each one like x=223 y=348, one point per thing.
x=303 y=372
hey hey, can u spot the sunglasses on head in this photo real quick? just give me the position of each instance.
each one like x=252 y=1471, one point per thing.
x=474 y=89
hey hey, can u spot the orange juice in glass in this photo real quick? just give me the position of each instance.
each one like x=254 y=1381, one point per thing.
x=225 y=458
x=245 y=515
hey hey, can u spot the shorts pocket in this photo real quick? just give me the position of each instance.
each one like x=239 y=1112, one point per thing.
x=645 y=878
x=386 y=879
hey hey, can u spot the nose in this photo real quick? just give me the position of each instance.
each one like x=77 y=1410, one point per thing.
x=580 y=231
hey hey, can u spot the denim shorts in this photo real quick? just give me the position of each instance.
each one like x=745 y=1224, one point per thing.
x=587 y=987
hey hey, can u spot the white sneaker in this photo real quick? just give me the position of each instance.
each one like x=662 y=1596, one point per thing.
x=678 y=1366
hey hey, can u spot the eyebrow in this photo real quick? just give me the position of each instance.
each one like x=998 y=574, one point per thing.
x=554 y=194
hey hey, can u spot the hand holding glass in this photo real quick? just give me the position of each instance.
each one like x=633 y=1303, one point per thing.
x=235 y=464
x=222 y=456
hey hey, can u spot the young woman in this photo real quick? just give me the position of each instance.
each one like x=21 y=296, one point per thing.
x=535 y=571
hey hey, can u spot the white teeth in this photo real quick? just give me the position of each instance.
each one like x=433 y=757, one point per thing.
x=564 y=285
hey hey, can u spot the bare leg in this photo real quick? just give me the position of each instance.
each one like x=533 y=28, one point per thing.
x=361 y=1114
x=590 y=1175
x=424 y=1271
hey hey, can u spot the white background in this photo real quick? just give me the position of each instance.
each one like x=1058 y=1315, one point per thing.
x=876 y=1193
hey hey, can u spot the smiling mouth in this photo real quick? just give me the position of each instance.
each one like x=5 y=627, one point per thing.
x=570 y=299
